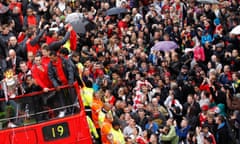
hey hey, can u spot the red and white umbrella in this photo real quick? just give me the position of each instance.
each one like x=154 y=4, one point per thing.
x=235 y=30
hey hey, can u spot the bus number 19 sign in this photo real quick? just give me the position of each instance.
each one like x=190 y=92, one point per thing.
x=56 y=131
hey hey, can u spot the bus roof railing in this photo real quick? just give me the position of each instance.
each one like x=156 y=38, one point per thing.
x=37 y=92
x=38 y=113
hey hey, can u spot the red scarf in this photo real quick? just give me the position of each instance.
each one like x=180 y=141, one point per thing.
x=60 y=72
x=73 y=40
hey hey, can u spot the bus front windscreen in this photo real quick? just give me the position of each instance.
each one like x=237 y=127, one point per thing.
x=38 y=107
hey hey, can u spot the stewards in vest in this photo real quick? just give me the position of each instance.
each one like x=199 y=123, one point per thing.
x=87 y=97
x=97 y=105
x=117 y=134
x=106 y=127
x=92 y=128
x=105 y=111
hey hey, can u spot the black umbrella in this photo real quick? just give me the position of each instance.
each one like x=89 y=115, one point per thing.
x=116 y=11
x=78 y=22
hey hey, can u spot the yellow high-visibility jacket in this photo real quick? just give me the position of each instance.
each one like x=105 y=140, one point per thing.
x=87 y=96
x=92 y=127
x=118 y=136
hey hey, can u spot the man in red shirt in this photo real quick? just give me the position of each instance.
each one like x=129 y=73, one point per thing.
x=40 y=74
x=123 y=25
x=45 y=54
x=59 y=70
x=32 y=44
x=31 y=19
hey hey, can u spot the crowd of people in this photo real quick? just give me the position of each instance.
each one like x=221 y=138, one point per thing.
x=131 y=92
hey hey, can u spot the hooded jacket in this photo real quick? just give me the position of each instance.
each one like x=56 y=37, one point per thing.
x=53 y=74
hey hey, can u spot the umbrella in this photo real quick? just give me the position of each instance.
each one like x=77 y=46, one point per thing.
x=235 y=30
x=165 y=46
x=116 y=11
x=73 y=16
x=208 y=1
x=78 y=22
x=3 y=9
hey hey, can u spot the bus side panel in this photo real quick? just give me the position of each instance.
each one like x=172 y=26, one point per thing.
x=78 y=129
x=33 y=134
x=4 y=138
x=19 y=136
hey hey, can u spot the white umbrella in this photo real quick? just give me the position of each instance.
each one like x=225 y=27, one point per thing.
x=235 y=30
x=73 y=17
x=208 y=1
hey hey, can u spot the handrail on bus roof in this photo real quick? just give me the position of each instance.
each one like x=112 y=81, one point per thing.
x=45 y=111
x=39 y=92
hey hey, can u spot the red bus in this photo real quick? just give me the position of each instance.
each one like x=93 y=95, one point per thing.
x=54 y=117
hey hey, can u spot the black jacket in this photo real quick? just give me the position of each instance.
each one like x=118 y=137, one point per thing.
x=3 y=67
x=68 y=71
x=16 y=19
x=56 y=45
x=75 y=71
x=3 y=46
x=17 y=64
x=17 y=48
x=222 y=135
x=195 y=105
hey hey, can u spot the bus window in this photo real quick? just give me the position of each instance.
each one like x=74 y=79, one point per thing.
x=37 y=108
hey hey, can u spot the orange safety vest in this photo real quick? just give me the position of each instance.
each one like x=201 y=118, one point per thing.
x=105 y=130
x=96 y=108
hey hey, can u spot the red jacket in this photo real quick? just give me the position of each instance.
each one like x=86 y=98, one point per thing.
x=41 y=76
x=15 y=4
x=29 y=64
x=199 y=54
x=32 y=48
x=45 y=60
x=32 y=20
x=121 y=24
x=205 y=87
x=49 y=40
x=19 y=5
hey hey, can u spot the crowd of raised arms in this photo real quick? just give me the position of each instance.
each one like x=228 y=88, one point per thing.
x=132 y=92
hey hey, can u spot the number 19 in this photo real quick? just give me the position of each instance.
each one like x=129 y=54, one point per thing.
x=60 y=131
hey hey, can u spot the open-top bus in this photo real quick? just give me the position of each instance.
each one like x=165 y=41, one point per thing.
x=50 y=117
